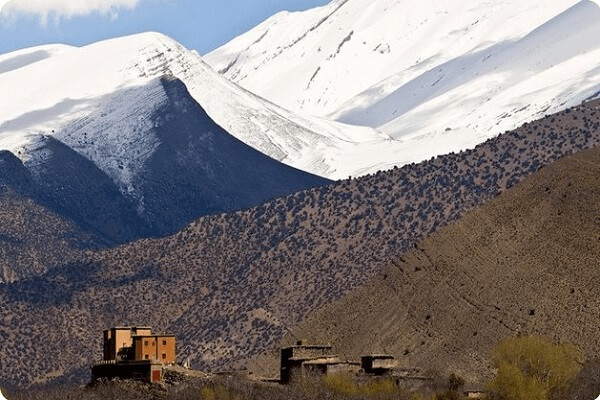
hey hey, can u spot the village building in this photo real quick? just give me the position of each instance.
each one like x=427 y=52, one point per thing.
x=134 y=353
x=377 y=364
x=304 y=360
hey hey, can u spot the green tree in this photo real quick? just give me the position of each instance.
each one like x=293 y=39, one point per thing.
x=532 y=368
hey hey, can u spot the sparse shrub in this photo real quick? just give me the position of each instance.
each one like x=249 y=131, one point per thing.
x=215 y=393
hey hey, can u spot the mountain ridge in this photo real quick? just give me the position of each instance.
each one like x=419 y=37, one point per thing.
x=231 y=285
x=71 y=96
x=161 y=165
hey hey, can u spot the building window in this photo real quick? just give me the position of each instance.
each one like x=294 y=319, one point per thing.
x=147 y=357
x=145 y=343
x=164 y=342
x=164 y=356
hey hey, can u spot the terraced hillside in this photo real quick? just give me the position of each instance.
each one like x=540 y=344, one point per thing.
x=230 y=286
x=525 y=263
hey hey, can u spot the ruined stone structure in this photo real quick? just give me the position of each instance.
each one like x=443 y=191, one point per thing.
x=134 y=353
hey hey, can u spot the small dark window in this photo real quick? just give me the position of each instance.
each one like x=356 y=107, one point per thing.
x=147 y=357
x=164 y=342
x=164 y=356
x=145 y=343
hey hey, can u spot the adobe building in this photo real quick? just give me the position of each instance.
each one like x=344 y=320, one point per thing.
x=118 y=341
x=377 y=364
x=305 y=359
x=134 y=353
x=159 y=348
x=328 y=366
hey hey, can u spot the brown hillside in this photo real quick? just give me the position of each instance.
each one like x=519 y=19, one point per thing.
x=32 y=238
x=525 y=263
x=230 y=286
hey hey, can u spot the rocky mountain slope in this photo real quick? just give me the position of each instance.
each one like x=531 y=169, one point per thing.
x=33 y=239
x=436 y=76
x=146 y=162
x=230 y=286
x=525 y=263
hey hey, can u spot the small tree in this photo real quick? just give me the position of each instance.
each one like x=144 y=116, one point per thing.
x=531 y=368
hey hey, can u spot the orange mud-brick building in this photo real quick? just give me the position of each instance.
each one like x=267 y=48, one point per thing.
x=159 y=348
x=132 y=352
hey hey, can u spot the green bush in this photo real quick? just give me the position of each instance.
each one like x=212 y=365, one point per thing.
x=532 y=368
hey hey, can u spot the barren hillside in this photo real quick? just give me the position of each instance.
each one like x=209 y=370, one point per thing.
x=230 y=286
x=525 y=263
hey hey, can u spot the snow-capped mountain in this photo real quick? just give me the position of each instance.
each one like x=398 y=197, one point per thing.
x=440 y=76
x=346 y=89
x=114 y=140
x=52 y=87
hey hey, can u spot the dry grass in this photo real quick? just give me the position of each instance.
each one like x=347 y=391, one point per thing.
x=225 y=388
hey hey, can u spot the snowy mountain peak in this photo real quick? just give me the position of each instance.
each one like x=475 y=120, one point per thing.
x=439 y=76
x=390 y=81
x=57 y=91
x=111 y=138
x=364 y=42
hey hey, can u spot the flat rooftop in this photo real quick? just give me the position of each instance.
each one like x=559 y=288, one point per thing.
x=379 y=356
x=316 y=358
x=128 y=328
x=153 y=335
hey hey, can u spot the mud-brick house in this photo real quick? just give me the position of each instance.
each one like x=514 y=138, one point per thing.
x=305 y=359
x=134 y=353
x=118 y=342
x=160 y=348
x=377 y=364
